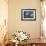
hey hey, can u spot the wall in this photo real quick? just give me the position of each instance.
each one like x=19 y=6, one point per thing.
x=14 y=18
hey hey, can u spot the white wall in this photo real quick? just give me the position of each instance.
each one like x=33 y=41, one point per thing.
x=14 y=18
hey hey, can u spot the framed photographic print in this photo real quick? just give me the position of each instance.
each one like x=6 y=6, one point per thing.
x=28 y=14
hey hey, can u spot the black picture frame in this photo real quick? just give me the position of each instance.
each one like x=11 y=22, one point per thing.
x=28 y=14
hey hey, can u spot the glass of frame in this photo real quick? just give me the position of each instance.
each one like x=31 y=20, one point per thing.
x=28 y=14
